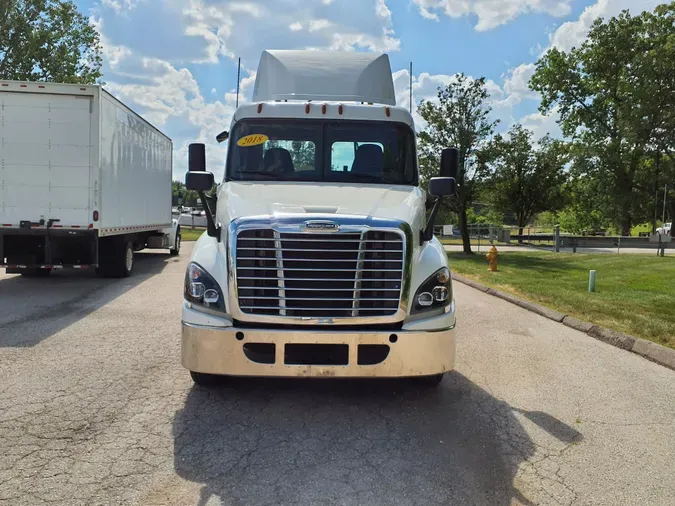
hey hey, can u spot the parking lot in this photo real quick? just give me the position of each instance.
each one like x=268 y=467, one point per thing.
x=95 y=408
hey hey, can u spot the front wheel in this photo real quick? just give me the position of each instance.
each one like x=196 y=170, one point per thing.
x=206 y=380
x=36 y=273
x=429 y=381
x=176 y=247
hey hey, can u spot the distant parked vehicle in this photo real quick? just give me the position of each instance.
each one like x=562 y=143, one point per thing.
x=665 y=229
x=85 y=182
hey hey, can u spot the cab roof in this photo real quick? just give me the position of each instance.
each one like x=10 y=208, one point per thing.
x=337 y=76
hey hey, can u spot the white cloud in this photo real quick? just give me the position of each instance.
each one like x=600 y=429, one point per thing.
x=425 y=87
x=347 y=25
x=542 y=125
x=120 y=6
x=573 y=33
x=516 y=83
x=491 y=13
x=316 y=25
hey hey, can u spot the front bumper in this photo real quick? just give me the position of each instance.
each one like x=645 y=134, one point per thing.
x=217 y=350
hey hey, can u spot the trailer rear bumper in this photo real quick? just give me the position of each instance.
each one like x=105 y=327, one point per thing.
x=47 y=248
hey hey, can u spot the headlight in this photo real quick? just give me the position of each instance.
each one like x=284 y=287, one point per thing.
x=201 y=289
x=434 y=293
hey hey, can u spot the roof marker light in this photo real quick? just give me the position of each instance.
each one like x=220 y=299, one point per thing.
x=259 y=108
x=307 y=109
x=387 y=111
x=340 y=109
x=323 y=109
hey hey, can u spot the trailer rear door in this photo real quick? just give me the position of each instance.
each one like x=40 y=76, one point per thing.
x=46 y=158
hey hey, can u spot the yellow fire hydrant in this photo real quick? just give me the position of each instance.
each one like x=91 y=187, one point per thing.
x=492 y=259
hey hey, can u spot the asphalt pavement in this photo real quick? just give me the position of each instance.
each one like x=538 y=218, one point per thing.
x=96 y=409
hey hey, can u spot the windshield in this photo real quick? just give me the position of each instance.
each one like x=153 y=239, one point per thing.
x=304 y=150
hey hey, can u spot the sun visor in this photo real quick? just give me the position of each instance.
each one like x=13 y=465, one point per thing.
x=332 y=76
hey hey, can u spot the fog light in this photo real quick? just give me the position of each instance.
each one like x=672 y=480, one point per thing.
x=210 y=296
x=443 y=276
x=197 y=290
x=425 y=299
x=440 y=294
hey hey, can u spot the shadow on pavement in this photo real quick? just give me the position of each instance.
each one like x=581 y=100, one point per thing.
x=34 y=309
x=285 y=441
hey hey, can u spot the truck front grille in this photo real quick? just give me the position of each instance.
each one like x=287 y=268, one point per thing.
x=319 y=275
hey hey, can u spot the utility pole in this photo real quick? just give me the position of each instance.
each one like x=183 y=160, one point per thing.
x=238 y=79
x=411 y=83
x=665 y=195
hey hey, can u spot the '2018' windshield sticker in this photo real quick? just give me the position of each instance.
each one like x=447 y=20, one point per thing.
x=252 y=140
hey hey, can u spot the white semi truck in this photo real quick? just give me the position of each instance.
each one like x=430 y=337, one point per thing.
x=84 y=181
x=319 y=258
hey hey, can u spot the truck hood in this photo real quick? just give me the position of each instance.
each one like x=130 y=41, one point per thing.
x=238 y=199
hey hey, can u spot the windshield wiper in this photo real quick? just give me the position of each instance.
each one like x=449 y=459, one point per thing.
x=365 y=177
x=259 y=173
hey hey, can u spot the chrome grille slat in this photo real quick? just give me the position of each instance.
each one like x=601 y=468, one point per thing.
x=341 y=275
x=312 y=298
x=262 y=259
x=320 y=240
x=315 y=250
x=315 y=279
x=309 y=309
x=314 y=289
x=300 y=269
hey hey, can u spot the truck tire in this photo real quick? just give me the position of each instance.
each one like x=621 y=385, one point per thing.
x=117 y=261
x=429 y=381
x=206 y=380
x=176 y=247
x=126 y=261
x=36 y=273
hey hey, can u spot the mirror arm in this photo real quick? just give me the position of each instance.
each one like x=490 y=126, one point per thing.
x=211 y=229
x=428 y=232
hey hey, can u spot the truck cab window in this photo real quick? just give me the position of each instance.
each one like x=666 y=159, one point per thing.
x=292 y=150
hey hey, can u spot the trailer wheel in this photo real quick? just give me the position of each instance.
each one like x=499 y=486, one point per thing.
x=207 y=380
x=116 y=258
x=176 y=248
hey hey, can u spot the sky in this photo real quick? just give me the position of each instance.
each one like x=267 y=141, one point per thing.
x=175 y=61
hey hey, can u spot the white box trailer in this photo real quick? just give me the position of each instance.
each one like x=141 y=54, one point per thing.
x=84 y=180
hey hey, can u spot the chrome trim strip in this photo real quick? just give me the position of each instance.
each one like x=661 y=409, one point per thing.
x=279 y=254
x=349 y=224
x=359 y=274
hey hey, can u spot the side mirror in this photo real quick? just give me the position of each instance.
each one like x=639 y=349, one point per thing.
x=222 y=136
x=198 y=180
x=196 y=157
x=442 y=186
x=450 y=163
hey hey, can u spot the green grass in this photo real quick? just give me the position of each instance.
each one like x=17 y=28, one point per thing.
x=634 y=293
x=191 y=234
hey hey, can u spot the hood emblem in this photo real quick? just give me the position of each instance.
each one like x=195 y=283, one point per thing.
x=320 y=226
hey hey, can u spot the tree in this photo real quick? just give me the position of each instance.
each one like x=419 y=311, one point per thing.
x=47 y=40
x=461 y=119
x=525 y=180
x=615 y=96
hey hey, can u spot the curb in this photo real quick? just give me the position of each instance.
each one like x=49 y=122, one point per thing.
x=647 y=349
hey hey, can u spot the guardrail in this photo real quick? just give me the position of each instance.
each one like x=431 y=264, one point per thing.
x=552 y=238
